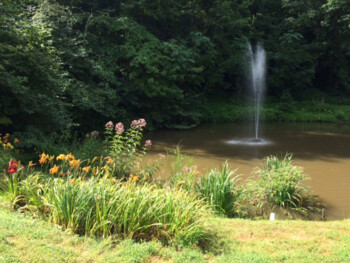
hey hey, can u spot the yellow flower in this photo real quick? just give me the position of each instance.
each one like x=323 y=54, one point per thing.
x=9 y=145
x=72 y=181
x=86 y=169
x=74 y=163
x=61 y=157
x=43 y=158
x=70 y=156
x=54 y=170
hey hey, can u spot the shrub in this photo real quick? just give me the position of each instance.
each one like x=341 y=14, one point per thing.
x=219 y=189
x=278 y=183
x=340 y=115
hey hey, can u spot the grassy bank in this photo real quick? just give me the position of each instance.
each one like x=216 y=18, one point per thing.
x=24 y=239
x=233 y=109
x=109 y=208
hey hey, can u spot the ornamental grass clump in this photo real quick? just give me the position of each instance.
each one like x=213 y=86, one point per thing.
x=105 y=207
x=219 y=188
x=279 y=183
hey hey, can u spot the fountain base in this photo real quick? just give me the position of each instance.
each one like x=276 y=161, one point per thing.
x=249 y=142
x=256 y=140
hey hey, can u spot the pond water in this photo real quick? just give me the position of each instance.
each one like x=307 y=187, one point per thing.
x=322 y=149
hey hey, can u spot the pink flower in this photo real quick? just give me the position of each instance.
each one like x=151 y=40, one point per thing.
x=162 y=156
x=134 y=124
x=109 y=125
x=138 y=124
x=148 y=143
x=141 y=123
x=119 y=127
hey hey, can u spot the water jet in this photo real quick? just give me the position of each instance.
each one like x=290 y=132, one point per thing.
x=257 y=74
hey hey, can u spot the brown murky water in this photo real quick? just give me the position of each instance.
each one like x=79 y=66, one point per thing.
x=322 y=149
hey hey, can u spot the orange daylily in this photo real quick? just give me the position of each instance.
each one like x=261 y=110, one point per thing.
x=109 y=160
x=54 y=170
x=74 y=163
x=43 y=158
x=86 y=169
x=61 y=157
x=70 y=156
x=134 y=178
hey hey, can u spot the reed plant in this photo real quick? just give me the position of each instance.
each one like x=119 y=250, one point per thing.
x=219 y=188
x=279 y=183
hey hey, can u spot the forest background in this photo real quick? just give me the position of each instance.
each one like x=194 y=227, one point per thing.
x=69 y=66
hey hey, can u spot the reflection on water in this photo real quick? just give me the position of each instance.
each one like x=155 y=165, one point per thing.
x=322 y=149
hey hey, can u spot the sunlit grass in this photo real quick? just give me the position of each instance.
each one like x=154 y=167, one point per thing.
x=24 y=239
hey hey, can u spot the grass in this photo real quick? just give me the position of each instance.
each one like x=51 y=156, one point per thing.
x=25 y=239
x=107 y=207
x=219 y=188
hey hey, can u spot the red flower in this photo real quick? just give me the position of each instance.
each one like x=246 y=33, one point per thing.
x=13 y=163
x=12 y=169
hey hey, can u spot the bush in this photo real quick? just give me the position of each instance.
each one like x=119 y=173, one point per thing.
x=219 y=189
x=278 y=183
x=340 y=115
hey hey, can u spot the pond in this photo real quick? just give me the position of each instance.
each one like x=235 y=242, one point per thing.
x=322 y=149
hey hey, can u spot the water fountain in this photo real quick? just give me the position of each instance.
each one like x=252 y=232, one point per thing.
x=258 y=73
x=257 y=77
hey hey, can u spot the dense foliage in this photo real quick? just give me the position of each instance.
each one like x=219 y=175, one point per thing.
x=61 y=61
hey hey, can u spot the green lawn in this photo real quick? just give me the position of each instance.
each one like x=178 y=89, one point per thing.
x=24 y=239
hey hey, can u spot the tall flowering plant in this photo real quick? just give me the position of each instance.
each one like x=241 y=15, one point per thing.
x=127 y=150
x=7 y=150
